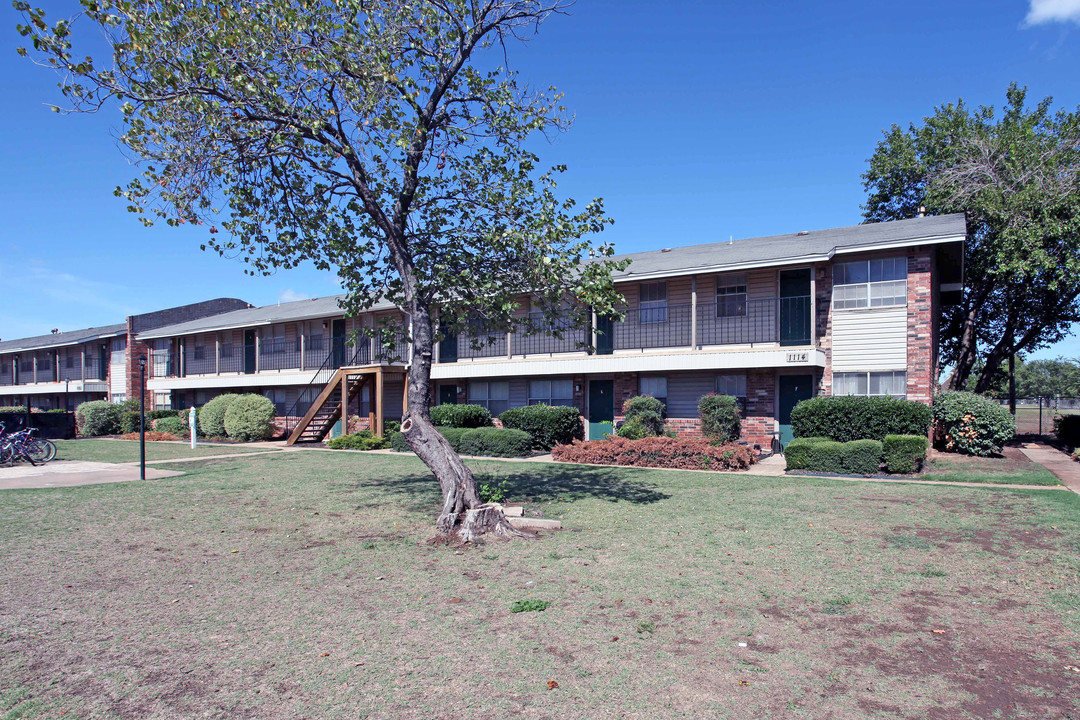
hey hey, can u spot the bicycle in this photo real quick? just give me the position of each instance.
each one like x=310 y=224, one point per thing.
x=22 y=445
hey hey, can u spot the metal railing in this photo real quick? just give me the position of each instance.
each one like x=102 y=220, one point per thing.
x=573 y=339
x=653 y=328
x=756 y=324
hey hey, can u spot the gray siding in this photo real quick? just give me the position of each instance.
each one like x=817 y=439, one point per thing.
x=684 y=391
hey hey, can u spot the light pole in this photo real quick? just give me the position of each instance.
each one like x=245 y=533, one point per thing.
x=142 y=417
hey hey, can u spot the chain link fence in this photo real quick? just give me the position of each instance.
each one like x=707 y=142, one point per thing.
x=1035 y=416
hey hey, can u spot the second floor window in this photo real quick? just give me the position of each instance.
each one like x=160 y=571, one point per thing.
x=731 y=295
x=272 y=345
x=69 y=361
x=653 y=302
x=881 y=282
x=199 y=352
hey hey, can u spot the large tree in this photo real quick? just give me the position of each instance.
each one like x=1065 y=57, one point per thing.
x=1017 y=176
x=381 y=139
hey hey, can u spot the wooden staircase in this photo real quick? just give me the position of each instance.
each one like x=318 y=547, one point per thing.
x=327 y=408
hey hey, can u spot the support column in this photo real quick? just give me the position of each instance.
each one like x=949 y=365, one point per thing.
x=303 y=345
x=378 y=400
x=693 y=313
x=256 y=351
x=217 y=353
x=35 y=366
x=344 y=403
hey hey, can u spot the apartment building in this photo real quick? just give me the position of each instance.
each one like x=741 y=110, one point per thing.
x=63 y=369
x=770 y=320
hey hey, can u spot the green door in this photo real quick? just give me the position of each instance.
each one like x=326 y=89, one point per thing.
x=795 y=307
x=793 y=388
x=601 y=408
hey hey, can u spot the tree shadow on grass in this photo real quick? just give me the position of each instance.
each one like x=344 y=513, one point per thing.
x=420 y=492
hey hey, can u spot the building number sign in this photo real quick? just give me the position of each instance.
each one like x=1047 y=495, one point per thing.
x=797 y=357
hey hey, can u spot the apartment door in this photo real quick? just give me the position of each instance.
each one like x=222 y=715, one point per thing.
x=448 y=346
x=792 y=389
x=605 y=335
x=103 y=362
x=795 y=307
x=448 y=394
x=601 y=408
x=249 y=352
x=337 y=342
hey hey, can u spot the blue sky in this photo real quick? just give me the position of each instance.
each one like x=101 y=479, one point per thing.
x=695 y=121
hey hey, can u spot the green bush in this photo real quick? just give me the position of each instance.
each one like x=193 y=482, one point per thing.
x=212 y=415
x=129 y=422
x=391 y=426
x=858 y=457
x=173 y=425
x=496 y=442
x=397 y=442
x=1067 y=429
x=363 y=440
x=634 y=429
x=250 y=417
x=20 y=409
x=720 y=420
x=862 y=457
x=971 y=424
x=850 y=418
x=130 y=405
x=547 y=425
x=462 y=416
x=158 y=414
x=645 y=413
x=452 y=435
x=98 y=417
x=904 y=453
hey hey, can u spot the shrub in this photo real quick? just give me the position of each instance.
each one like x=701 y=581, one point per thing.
x=463 y=416
x=862 y=457
x=363 y=440
x=850 y=418
x=250 y=417
x=634 y=429
x=212 y=415
x=548 y=425
x=172 y=425
x=158 y=414
x=1067 y=429
x=129 y=422
x=646 y=413
x=398 y=444
x=971 y=424
x=904 y=453
x=858 y=457
x=98 y=417
x=496 y=442
x=391 y=426
x=720 y=420
x=452 y=435
x=660 y=452
x=20 y=409
x=130 y=405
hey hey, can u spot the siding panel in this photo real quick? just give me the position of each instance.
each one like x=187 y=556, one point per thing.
x=869 y=339
x=684 y=391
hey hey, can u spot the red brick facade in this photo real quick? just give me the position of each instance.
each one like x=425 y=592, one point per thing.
x=921 y=345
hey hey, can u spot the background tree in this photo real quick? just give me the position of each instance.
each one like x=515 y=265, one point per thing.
x=1018 y=179
x=1048 y=379
x=376 y=138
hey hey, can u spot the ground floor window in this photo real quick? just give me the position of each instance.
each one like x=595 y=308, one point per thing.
x=731 y=384
x=551 y=392
x=277 y=396
x=655 y=386
x=162 y=401
x=890 y=382
x=119 y=398
x=495 y=396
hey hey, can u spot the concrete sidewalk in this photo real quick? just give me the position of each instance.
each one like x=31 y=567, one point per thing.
x=73 y=473
x=1061 y=465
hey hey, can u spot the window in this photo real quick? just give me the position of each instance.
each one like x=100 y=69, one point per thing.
x=551 y=392
x=653 y=302
x=69 y=360
x=272 y=342
x=731 y=295
x=881 y=282
x=733 y=385
x=277 y=396
x=200 y=352
x=654 y=387
x=891 y=382
x=119 y=398
x=495 y=396
x=162 y=401
x=227 y=349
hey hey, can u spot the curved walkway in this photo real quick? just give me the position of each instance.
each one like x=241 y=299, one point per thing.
x=1061 y=465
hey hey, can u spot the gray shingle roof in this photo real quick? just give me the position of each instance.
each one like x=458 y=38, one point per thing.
x=265 y=315
x=793 y=247
x=72 y=337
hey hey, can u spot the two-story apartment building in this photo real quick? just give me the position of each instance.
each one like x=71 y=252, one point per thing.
x=63 y=369
x=770 y=320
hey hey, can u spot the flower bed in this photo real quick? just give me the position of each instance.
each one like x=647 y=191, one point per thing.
x=657 y=452
x=151 y=436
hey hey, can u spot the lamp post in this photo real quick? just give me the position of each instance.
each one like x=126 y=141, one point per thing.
x=142 y=417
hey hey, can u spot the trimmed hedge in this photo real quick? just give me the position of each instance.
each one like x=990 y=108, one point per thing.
x=496 y=442
x=212 y=415
x=13 y=409
x=720 y=420
x=1067 y=429
x=904 y=453
x=397 y=442
x=858 y=457
x=250 y=417
x=658 y=452
x=644 y=416
x=172 y=425
x=847 y=418
x=98 y=417
x=363 y=440
x=462 y=416
x=547 y=425
x=971 y=424
x=129 y=422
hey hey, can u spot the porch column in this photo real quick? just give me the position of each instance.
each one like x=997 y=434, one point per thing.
x=217 y=353
x=35 y=367
x=182 y=360
x=344 y=403
x=693 y=313
x=82 y=363
x=303 y=344
x=379 y=401
x=593 y=335
x=257 y=335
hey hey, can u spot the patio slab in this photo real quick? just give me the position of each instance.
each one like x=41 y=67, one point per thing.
x=73 y=473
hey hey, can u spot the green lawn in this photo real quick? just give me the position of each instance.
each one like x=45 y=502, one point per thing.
x=1013 y=469
x=293 y=585
x=122 y=451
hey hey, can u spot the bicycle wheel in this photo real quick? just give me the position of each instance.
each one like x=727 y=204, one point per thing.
x=50 y=446
x=6 y=453
x=37 y=451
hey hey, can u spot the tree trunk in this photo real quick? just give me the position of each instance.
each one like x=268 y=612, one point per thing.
x=462 y=513
x=969 y=351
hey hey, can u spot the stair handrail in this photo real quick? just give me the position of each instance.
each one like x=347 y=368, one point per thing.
x=291 y=414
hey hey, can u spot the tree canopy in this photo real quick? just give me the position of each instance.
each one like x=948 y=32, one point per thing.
x=1017 y=177
x=382 y=139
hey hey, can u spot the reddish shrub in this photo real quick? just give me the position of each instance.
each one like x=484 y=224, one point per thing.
x=660 y=452
x=151 y=435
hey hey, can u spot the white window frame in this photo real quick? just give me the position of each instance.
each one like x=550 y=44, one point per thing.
x=866 y=380
x=654 y=310
x=871 y=293
x=539 y=395
x=732 y=290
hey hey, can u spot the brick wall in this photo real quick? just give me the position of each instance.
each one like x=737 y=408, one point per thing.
x=759 y=418
x=921 y=370
x=131 y=356
x=184 y=313
x=626 y=387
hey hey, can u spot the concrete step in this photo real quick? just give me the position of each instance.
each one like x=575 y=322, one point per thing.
x=526 y=523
